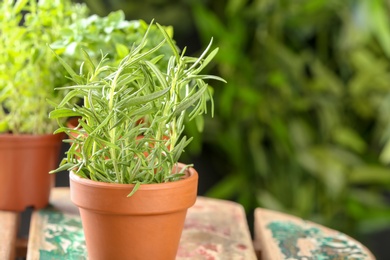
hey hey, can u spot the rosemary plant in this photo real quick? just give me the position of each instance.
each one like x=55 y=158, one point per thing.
x=132 y=120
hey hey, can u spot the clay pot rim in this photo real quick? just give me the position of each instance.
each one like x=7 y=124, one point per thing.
x=25 y=136
x=192 y=174
x=8 y=140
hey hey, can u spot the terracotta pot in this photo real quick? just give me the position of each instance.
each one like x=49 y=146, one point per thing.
x=25 y=162
x=72 y=123
x=147 y=225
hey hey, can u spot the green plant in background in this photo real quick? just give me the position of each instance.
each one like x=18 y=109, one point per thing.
x=173 y=12
x=303 y=117
x=131 y=122
x=112 y=34
x=29 y=72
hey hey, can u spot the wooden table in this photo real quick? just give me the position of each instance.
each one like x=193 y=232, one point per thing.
x=8 y=232
x=214 y=229
x=280 y=236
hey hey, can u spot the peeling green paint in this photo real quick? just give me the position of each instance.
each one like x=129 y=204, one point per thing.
x=326 y=247
x=64 y=234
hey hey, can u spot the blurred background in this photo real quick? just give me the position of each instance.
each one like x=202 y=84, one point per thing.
x=303 y=124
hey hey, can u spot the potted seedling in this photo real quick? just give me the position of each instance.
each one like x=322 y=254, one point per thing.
x=29 y=74
x=125 y=177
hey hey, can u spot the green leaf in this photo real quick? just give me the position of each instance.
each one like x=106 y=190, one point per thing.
x=68 y=97
x=63 y=113
x=143 y=99
x=103 y=124
x=170 y=42
x=76 y=78
x=63 y=167
x=121 y=50
x=88 y=60
x=190 y=100
x=370 y=175
x=136 y=187
x=205 y=77
x=180 y=148
x=158 y=74
x=199 y=120
x=207 y=60
x=87 y=146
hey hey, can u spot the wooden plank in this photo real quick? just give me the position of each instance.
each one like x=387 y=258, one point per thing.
x=214 y=229
x=43 y=224
x=282 y=236
x=8 y=231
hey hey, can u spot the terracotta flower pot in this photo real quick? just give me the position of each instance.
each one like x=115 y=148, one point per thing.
x=147 y=225
x=25 y=162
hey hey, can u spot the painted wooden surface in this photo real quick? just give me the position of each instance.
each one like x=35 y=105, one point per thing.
x=8 y=232
x=282 y=236
x=214 y=229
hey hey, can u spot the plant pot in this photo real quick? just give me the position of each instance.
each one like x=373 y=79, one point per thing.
x=72 y=123
x=147 y=225
x=25 y=162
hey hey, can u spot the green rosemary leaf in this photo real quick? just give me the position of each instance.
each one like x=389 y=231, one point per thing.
x=63 y=113
x=190 y=100
x=136 y=187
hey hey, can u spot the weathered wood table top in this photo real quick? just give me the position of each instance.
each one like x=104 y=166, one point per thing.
x=8 y=232
x=281 y=236
x=214 y=229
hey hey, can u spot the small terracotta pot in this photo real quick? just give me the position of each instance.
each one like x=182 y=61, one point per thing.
x=25 y=162
x=147 y=225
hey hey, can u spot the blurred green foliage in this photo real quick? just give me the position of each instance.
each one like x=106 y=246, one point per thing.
x=29 y=72
x=166 y=12
x=302 y=122
x=304 y=115
x=111 y=35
